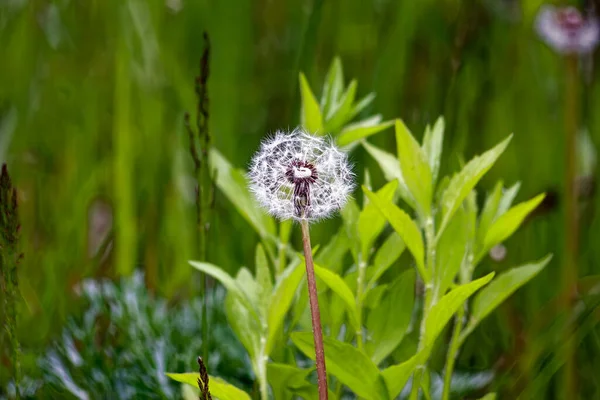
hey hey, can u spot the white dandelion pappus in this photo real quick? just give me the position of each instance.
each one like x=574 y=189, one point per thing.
x=300 y=176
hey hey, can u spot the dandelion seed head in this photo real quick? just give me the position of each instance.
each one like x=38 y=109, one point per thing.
x=566 y=30
x=300 y=176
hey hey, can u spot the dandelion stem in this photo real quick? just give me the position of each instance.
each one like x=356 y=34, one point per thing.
x=314 y=310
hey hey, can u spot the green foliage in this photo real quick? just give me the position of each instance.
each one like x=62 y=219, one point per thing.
x=127 y=339
x=218 y=387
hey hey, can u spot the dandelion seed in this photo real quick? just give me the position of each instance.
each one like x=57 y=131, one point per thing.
x=300 y=176
x=566 y=30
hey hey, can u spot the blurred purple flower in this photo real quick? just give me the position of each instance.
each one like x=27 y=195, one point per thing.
x=566 y=30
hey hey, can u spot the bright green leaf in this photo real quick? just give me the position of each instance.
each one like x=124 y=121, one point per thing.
x=386 y=255
x=333 y=86
x=339 y=287
x=397 y=375
x=508 y=223
x=281 y=301
x=352 y=367
x=501 y=288
x=440 y=314
x=388 y=324
x=462 y=183
x=339 y=114
x=361 y=130
x=405 y=226
x=284 y=378
x=361 y=105
x=432 y=147
x=233 y=184
x=451 y=250
x=246 y=327
x=489 y=213
x=415 y=169
x=333 y=253
x=489 y=396
x=507 y=198
x=391 y=170
x=370 y=220
x=263 y=281
x=312 y=119
x=219 y=389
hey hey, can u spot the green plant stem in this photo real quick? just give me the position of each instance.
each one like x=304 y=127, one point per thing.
x=455 y=343
x=429 y=302
x=569 y=278
x=314 y=311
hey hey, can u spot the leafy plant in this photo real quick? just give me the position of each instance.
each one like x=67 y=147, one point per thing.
x=126 y=339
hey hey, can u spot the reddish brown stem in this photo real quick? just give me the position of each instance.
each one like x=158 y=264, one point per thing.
x=314 y=311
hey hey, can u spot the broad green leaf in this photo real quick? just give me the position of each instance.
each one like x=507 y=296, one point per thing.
x=501 y=288
x=397 y=375
x=451 y=250
x=361 y=105
x=263 y=282
x=339 y=287
x=440 y=314
x=312 y=120
x=370 y=220
x=386 y=255
x=390 y=166
x=507 y=198
x=219 y=389
x=333 y=253
x=333 y=86
x=284 y=378
x=388 y=323
x=405 y=226
x=372 y=298
x=415 y=169
x=462 y=183
x=432 y=147
x=233 y=184
x=352 y=367
x=489 y=396
x=489 y=213
x=246 y=326
x=361 y=130
x=339 y=114
x=225 y=279
x=508 y=223
x=281 y=301
x=246 y=282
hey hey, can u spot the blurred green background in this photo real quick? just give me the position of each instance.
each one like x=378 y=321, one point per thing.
x=92 y=98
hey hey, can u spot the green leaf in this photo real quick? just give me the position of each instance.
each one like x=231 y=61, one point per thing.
x=311 y=119
x=361 y=105
x=508 y=223
x=404 y=226
x=350 y=214
x=451 y=250
x=284 y=378
x=386 y=333
x=489 y=396
x=440 y=314
x=391 y=170
x=488 y=214
x=217 y=386
x=370 y=220
x=333 y=86
x=233 y=184
x=339 y=287
x=263 y=282
x=361 y=130
x=507 y=198
x=386 y=255
x=462 y=183
x=415 y=169
x=501 y=288
x=432 y=147
x=339 y=114
x=352 y=367
x=397 y=375
x=333 y=253
x=246 y=326
x=226 y=280
x=281 y=301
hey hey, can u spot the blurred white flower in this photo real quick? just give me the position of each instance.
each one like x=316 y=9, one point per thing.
x=566 y=30
x=300 y=176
